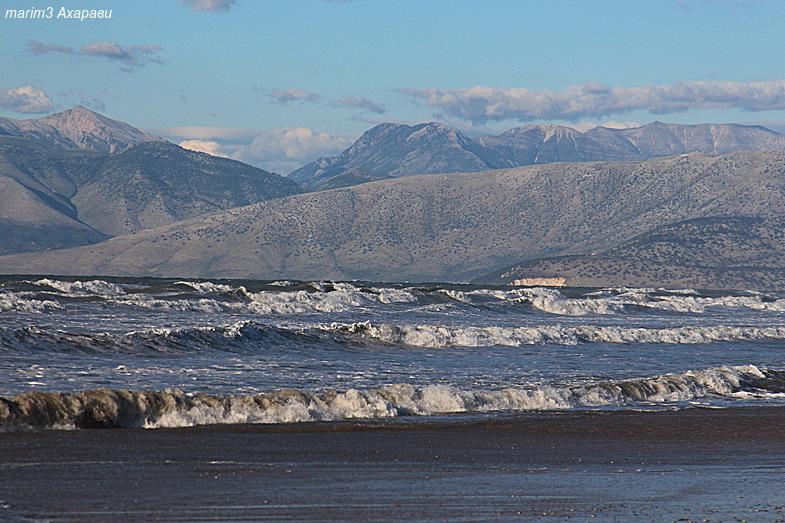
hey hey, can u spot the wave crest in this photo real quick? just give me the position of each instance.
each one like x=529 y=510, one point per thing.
x=174 y=408
x=12 y=302
x=616 y=299
x=318 y=298
x=82 y=288
x=442 y=336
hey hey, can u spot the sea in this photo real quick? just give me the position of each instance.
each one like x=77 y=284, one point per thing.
x=151 y=353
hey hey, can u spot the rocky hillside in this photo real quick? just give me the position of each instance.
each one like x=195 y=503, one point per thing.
x=709 y=253
x=460 y=226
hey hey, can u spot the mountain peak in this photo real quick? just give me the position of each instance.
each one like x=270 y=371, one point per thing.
x=432 y=129
x=78 y=128
x=80 y=110
x=77 y=113
x=393 y=150
x=438 y=126
x=388 y=127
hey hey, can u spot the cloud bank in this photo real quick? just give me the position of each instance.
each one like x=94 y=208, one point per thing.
x=129 y=57
x=25 y=99
x=592 y=100
x=229 y=134
x=280 y=150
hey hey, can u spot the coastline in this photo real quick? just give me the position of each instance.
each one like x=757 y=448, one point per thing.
x=698 y=464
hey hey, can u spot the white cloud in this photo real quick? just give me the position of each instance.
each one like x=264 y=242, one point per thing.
x=286 y=149
x=280 y=150
x=592 y=100
x=615 y=124
x=209 y=5
x=207 y=133
x=203 y=146
x=611 y=124
x=26 y=99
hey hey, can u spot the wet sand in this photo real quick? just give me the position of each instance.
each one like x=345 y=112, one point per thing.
x=696 y=465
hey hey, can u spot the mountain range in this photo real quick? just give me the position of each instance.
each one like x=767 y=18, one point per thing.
x=394 y=150
x=456 y=227
x=82 y=194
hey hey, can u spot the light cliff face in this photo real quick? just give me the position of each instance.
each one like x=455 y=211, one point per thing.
x=540 y=282
x=392 y=150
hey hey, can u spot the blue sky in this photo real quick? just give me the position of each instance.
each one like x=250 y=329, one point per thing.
x=280 y=82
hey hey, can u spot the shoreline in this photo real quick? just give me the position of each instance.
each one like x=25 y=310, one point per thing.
x=663 y=465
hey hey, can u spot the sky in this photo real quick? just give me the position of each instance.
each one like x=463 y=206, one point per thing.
x=278 y=83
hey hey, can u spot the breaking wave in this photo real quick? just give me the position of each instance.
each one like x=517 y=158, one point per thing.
x=12 y=302
x=441 y=336
x=281 y=297
x=286 y=298
x=207 y=287
x=317 y=298
x=614 y=300
x=82 y=288
x=697 y=304
x=105 y=408
x=334 y=298
x=544 y=299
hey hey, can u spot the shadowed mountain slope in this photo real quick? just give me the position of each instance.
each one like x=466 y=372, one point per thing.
x=54 y=198
x=158 y=183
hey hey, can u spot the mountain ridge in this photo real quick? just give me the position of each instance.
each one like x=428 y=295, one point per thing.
x=394 y=150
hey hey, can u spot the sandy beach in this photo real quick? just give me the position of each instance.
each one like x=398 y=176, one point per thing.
x=696 y=465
